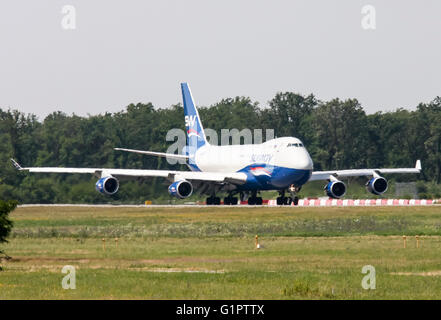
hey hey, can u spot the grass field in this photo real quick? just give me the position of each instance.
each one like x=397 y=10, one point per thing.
x=209 y=253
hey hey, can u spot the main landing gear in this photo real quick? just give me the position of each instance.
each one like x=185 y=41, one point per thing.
x=254 y=200
x=213 y=201
x=230 y=200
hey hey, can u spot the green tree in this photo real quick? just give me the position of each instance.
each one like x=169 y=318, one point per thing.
x=5 y=223
x=289 y=114
x=340 y=135
x=430 y=124
x=238 y=113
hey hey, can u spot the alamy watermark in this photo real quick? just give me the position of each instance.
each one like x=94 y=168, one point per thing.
x=69 y=281
x=68 y=17
x=369 y=280
x=369 y=17
x=368 y=20
x=227 y=137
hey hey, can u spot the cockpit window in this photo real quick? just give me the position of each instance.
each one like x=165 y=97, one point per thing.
x=295 y=145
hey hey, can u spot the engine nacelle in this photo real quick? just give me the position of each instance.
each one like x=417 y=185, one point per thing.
x=335 y=189
x=107 y=185
x=377 y=185
x=180 y=189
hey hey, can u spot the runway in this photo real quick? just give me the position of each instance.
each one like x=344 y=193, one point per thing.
x=268 y=203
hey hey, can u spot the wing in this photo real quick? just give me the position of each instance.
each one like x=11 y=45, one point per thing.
x=214 y=177
x=330 y=175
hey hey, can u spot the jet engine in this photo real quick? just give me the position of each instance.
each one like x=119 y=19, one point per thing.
x=107 y=185
x=377 y=185
x=335 y=189
x=180 y=189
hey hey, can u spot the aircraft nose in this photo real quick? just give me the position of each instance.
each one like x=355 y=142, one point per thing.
x=305 y=162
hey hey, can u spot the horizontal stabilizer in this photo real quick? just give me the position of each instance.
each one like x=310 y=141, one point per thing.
x=153 y=153
x=16 y=165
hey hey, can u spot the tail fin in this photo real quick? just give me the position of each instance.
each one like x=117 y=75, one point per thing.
x=195 y=132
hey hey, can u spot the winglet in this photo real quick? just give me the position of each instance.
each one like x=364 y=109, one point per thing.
x=418 y=165
x=16 y=165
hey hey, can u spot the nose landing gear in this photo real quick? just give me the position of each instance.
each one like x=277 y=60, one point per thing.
x=293 y=192
x=282 y=200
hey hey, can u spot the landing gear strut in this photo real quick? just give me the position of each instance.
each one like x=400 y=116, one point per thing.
x=293 y=192
x=282 y=200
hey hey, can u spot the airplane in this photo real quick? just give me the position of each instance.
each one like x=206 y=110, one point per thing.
x=281 y=164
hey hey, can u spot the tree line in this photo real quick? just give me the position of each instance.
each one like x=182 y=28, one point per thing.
x=337 y=133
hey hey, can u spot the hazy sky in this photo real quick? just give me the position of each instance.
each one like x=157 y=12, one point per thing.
x=131 y=51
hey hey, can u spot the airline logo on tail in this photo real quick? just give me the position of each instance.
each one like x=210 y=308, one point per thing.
x=193 y=125
x=189 y=123
x=192 y=132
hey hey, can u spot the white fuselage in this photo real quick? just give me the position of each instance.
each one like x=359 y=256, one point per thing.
x=286 y=152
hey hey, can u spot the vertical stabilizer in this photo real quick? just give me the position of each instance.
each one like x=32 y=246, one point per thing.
x=193 y=126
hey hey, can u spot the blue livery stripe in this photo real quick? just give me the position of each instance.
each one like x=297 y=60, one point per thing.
x=269 y=177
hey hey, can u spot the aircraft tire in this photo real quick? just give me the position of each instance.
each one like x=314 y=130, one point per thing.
x=296 y=201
